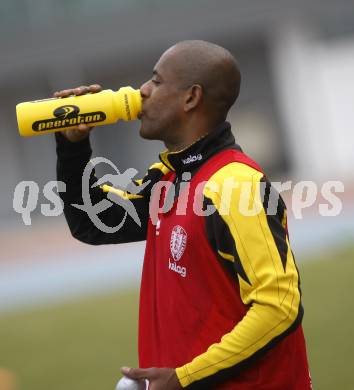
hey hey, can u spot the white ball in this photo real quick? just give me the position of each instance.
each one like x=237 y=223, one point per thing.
x=130 y=384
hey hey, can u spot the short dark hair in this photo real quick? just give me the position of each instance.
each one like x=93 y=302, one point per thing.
x=215 y=69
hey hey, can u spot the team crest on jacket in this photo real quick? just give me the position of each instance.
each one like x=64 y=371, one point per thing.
x=178 y=242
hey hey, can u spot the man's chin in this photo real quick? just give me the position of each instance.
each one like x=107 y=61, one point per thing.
x=147 y=133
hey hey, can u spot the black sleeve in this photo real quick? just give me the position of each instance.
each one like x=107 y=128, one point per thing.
x=71 y=162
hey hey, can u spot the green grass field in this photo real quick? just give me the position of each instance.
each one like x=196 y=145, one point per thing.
x=81 y=345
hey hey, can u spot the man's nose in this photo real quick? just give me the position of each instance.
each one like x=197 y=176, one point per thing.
x=144 y=90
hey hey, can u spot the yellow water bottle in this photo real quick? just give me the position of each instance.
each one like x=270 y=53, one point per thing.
x=94 y=109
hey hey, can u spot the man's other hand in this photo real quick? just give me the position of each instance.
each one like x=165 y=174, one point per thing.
x=159 y=378
x=79 y=133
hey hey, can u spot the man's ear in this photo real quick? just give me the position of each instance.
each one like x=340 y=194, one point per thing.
x=193 y=97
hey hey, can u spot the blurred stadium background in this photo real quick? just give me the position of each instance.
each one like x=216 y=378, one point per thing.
x=68 y=312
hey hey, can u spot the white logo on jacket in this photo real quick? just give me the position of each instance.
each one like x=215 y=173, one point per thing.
x=191 y=159
x=178 y=244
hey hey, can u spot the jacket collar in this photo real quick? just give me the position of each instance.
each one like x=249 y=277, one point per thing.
x=196 y=154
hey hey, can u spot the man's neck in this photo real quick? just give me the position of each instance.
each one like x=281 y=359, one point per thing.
x=176 y=147
x=188 y=137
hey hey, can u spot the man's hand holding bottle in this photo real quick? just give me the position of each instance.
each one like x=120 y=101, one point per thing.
x=82 y=131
